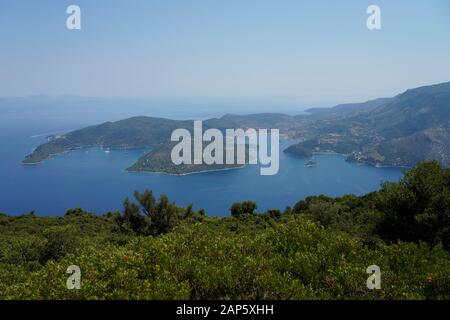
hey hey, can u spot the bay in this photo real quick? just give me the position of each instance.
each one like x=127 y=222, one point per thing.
x=97 y=181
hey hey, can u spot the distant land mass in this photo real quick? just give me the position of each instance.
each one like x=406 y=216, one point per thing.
x=398 y=131
x=159 y=160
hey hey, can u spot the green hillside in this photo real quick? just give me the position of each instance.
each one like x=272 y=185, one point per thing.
x=401 y=131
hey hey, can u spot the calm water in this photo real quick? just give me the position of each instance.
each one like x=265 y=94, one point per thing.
x=97 y=181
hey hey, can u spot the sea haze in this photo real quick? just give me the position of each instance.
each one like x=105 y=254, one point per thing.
x=96 y=180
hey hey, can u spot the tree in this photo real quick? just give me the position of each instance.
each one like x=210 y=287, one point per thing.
x=418 y=207
x=304 y=205
x=132 y=221
x=274 y=213
x=164 y=217
x=244 y=208
x=189 y=211
x=249 y=207
x=147 y=201
x=151 y=217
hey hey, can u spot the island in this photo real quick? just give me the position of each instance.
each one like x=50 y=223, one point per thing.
x=159 y=161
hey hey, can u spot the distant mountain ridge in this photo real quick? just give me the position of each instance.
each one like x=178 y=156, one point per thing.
x=398 y=131
x=348 y=108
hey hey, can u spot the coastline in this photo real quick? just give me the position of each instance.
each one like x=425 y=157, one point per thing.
x=77 y=148
x=184 y=174
x=50 y=156
x=360 y=163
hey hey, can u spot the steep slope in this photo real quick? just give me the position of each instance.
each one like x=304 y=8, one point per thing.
x=401 y=131
x=410 y=112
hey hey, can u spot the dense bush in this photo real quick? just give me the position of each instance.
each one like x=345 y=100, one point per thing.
x=417 y=208
x=294 y=259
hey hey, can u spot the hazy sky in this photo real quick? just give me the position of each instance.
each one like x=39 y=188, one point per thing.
x=314 y=50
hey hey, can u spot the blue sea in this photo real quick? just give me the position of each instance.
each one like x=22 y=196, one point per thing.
x=96 y=180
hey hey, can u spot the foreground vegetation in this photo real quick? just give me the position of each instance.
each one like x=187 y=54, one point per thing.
x=317 y=249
